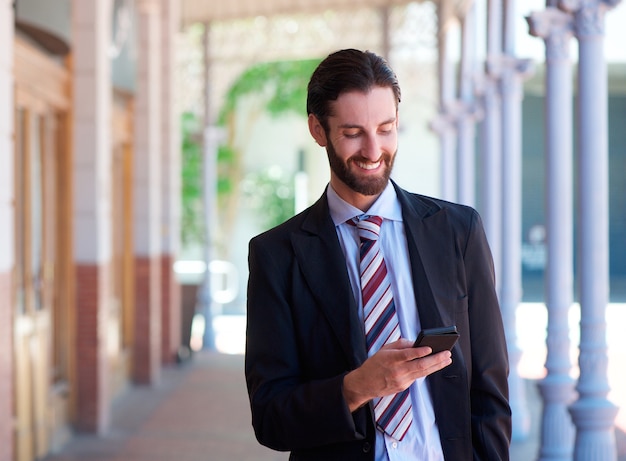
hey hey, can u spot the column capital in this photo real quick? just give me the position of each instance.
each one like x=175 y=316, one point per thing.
x=589 y=15
x=556 y=27
x=521 y=66
x=463 y=111
x=550 y=22
x=514 y=71
x=455 y=111
x=443 y=122
x=493 y=66
x=499 y=65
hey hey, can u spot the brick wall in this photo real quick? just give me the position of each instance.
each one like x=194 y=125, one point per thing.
x=171 y=311
x=92 y=373
x=147 y=330
x=6 y=369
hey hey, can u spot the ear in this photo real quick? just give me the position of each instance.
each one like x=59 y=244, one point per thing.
x=317 y=131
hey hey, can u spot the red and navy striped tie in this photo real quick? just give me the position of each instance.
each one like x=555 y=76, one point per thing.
x=393 y=412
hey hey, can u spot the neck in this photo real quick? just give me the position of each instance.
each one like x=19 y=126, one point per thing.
x=356 y=199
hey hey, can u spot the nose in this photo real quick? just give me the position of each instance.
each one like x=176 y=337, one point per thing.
x=371 y=149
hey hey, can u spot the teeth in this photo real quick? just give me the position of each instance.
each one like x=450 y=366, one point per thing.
x=368 y=166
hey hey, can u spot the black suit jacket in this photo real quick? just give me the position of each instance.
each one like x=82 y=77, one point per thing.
x=304 y=335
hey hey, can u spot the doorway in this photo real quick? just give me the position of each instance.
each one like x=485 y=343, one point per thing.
x=42 y=330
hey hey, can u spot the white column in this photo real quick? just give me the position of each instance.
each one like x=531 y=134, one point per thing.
x=513 y=71
x=92 y=131
x=147 y=195
x=91 y=33
x=6 y=138
x=466 y=121
x=171 y=185
x=7 y=240
x=490 y=137
x=593 y=414
x=443 y=124
x=170 y=131
x=148 y=136
x=557 y=388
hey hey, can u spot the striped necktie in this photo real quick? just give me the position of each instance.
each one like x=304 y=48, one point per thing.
x=393 y=412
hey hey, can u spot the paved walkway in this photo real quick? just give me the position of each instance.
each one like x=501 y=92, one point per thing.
x=199 y=412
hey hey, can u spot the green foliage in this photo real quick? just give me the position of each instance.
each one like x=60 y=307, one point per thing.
x=281 y=88
x=284 y=83
x=271 y=192
x=226 y=157
x=192 y=225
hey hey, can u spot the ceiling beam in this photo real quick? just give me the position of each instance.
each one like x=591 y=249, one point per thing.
x=193 y=11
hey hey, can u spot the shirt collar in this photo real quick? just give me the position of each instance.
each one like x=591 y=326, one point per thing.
x=386 y=205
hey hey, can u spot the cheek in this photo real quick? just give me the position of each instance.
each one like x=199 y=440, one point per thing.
x=346 y=148
x=390 y=145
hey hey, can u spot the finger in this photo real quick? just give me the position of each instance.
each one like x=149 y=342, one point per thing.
x=412 y=353
x=434 y=362
x=401 y=343
x=421 y=351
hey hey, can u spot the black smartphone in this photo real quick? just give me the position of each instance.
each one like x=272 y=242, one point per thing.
x=438 y=339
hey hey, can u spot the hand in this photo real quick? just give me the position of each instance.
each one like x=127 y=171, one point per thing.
x=391 y=370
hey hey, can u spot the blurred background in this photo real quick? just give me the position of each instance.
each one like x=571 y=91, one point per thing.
x=144 y=142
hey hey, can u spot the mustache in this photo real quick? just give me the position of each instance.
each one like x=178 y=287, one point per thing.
x=384 y=157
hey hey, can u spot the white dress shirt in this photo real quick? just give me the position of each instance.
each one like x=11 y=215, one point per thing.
x=422 y=441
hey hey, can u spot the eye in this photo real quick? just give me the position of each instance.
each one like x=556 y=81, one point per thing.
x=387 y=128
x=351 y=133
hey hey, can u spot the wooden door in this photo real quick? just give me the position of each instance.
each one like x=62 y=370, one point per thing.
x=121 y=302
x=41 y=364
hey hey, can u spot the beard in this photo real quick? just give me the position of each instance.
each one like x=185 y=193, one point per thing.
x=365 y=185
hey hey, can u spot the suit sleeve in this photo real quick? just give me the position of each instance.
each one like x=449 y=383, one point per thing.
x=490 y=411
x=290 y=409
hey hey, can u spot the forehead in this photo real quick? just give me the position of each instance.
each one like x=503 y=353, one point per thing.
x=357 y=107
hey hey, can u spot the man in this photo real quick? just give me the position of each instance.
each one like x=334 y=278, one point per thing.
x=315 y=379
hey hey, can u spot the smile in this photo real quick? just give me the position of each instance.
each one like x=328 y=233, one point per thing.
x=368 y=166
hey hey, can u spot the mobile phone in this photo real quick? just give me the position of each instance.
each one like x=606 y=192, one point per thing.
x=438 y=339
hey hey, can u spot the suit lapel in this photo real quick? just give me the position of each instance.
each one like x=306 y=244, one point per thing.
x=323 y=265
x=429 y=242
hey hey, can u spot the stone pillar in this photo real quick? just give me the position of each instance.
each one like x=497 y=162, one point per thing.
x=512 y=73
x=7 y=241
x=557 y=388
x=491 y=138
x=148 y=196
x=444 y=124
x=171 y=195
x=593 y=414
x=466 y=120
x=91 y=23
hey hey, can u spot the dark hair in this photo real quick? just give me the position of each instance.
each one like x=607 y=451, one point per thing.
x=347 y=70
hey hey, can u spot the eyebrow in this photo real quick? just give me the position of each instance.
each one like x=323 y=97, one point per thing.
x=351 y=125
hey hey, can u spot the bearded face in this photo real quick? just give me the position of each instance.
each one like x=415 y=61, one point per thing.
x=361 y=139
x=350 y=171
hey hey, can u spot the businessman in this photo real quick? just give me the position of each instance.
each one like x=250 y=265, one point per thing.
x=338 y=294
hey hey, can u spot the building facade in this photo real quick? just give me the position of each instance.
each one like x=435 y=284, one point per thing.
x=88 y=215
